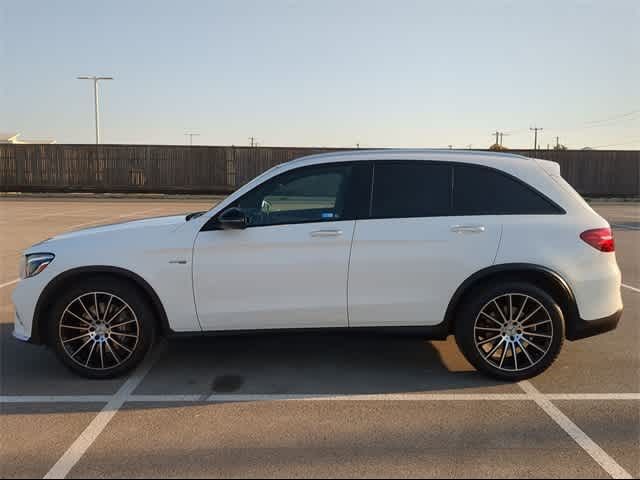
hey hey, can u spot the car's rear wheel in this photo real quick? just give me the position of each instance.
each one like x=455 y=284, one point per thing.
x=511 y=331
x=101 y=327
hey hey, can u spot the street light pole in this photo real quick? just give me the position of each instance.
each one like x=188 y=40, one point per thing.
x=96 y=79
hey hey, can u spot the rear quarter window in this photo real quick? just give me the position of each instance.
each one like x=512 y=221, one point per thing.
x=484 y=191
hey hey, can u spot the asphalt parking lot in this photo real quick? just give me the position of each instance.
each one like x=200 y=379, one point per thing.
x=312 y=405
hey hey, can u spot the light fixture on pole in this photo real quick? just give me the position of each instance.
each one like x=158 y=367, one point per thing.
x=95 y=79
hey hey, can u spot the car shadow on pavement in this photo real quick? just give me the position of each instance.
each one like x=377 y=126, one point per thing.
x=260 y=364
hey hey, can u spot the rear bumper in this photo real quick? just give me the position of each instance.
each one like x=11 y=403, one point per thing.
x=580 y=329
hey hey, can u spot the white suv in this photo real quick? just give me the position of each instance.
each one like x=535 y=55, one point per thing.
x=495 y=249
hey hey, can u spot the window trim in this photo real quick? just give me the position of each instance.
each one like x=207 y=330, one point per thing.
x=213 y=224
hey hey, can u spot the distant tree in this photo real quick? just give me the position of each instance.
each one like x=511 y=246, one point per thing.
x=560 y=147
x=498 y=148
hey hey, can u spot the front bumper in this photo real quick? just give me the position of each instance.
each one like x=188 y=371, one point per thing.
x=19 y=330
x=580 y=329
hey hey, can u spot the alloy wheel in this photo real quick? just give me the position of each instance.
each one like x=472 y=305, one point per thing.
x=513 y=332
x=99 y=331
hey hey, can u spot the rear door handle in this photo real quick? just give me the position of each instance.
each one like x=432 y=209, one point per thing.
x=468 y=228
x=326 y=233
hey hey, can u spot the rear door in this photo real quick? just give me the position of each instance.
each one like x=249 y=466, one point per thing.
x=413 y=252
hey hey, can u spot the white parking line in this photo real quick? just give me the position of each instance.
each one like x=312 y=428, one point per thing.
x=581 y=438
x=631 y=288
x=321 y=397
x=55 y=399
x=15 y=280
x=624 y=226
x=95 y=428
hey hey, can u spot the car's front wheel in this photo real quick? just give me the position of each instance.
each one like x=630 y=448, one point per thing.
x=101 y=327
x=511 y=331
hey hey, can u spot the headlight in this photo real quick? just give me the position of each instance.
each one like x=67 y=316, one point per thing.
x=35 y=263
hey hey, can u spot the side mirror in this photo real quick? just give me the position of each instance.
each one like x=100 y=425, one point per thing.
x=233 y=219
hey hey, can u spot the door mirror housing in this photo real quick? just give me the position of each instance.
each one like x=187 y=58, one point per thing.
x=233 y=219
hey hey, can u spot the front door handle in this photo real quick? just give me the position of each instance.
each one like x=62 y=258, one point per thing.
x=326 y=233
x=468 y=228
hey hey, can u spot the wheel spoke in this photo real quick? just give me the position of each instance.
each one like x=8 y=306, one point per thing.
x=515 y=356
x=71 y=327
x=124 y=335
x=536 y=325
x=95 y=300
x=113 y=353
x=76 y=338
x=82 y=347
x=106 y=310
x=93 y=347
x=85 y=309
x=504 y=355
x=120 y=345
x=489 y=340
x=537 y=335
x=101 y=355
x=487 y=329
x=123 y=324
x=495 y=349
x=534 y=346
x=500 y=311
x=77 y=316
x=522 y=308
x=113 y=317
x=525 y=352
x=491 y=318
x=531 y=315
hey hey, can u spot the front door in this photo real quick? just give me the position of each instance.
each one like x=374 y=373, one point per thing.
x=288 y=268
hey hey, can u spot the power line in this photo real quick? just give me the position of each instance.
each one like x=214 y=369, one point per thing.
x=615 y=117
x=191 y=135
x=535 y=136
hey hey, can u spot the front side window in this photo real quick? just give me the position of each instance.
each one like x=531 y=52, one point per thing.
x=484 y=191
x=411 y=189
x=310 y=194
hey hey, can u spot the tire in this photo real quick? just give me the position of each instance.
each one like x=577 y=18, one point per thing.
x=510 y=346
x=107 y=345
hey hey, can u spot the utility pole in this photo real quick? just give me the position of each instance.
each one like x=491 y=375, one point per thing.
x=558 y=143
x=253 y=142
x=535 y=136
x=95 y=80
x=497 y=134
x=191 y=135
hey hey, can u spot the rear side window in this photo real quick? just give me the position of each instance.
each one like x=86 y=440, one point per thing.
x=483 y=191
x=411 y=189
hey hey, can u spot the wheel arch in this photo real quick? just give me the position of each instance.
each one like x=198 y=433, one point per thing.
x=541 y=276
x=39 y=330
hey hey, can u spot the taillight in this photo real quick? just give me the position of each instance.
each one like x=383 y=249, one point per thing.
x=600 y=239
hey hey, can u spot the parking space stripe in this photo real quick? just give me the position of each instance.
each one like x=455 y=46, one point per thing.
x=631 y=288
x=320 y=397
x=589 y=446
x=100 y=422
x=592 y=396
x=55 y=399
x=16 y=280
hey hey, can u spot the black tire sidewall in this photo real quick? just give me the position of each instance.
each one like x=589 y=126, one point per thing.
x=465 y=331
x=128 y=292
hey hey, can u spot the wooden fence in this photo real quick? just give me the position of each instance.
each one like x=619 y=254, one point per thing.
x=179 y=169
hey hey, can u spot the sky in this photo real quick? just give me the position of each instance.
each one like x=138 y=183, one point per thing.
x=324 y=73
